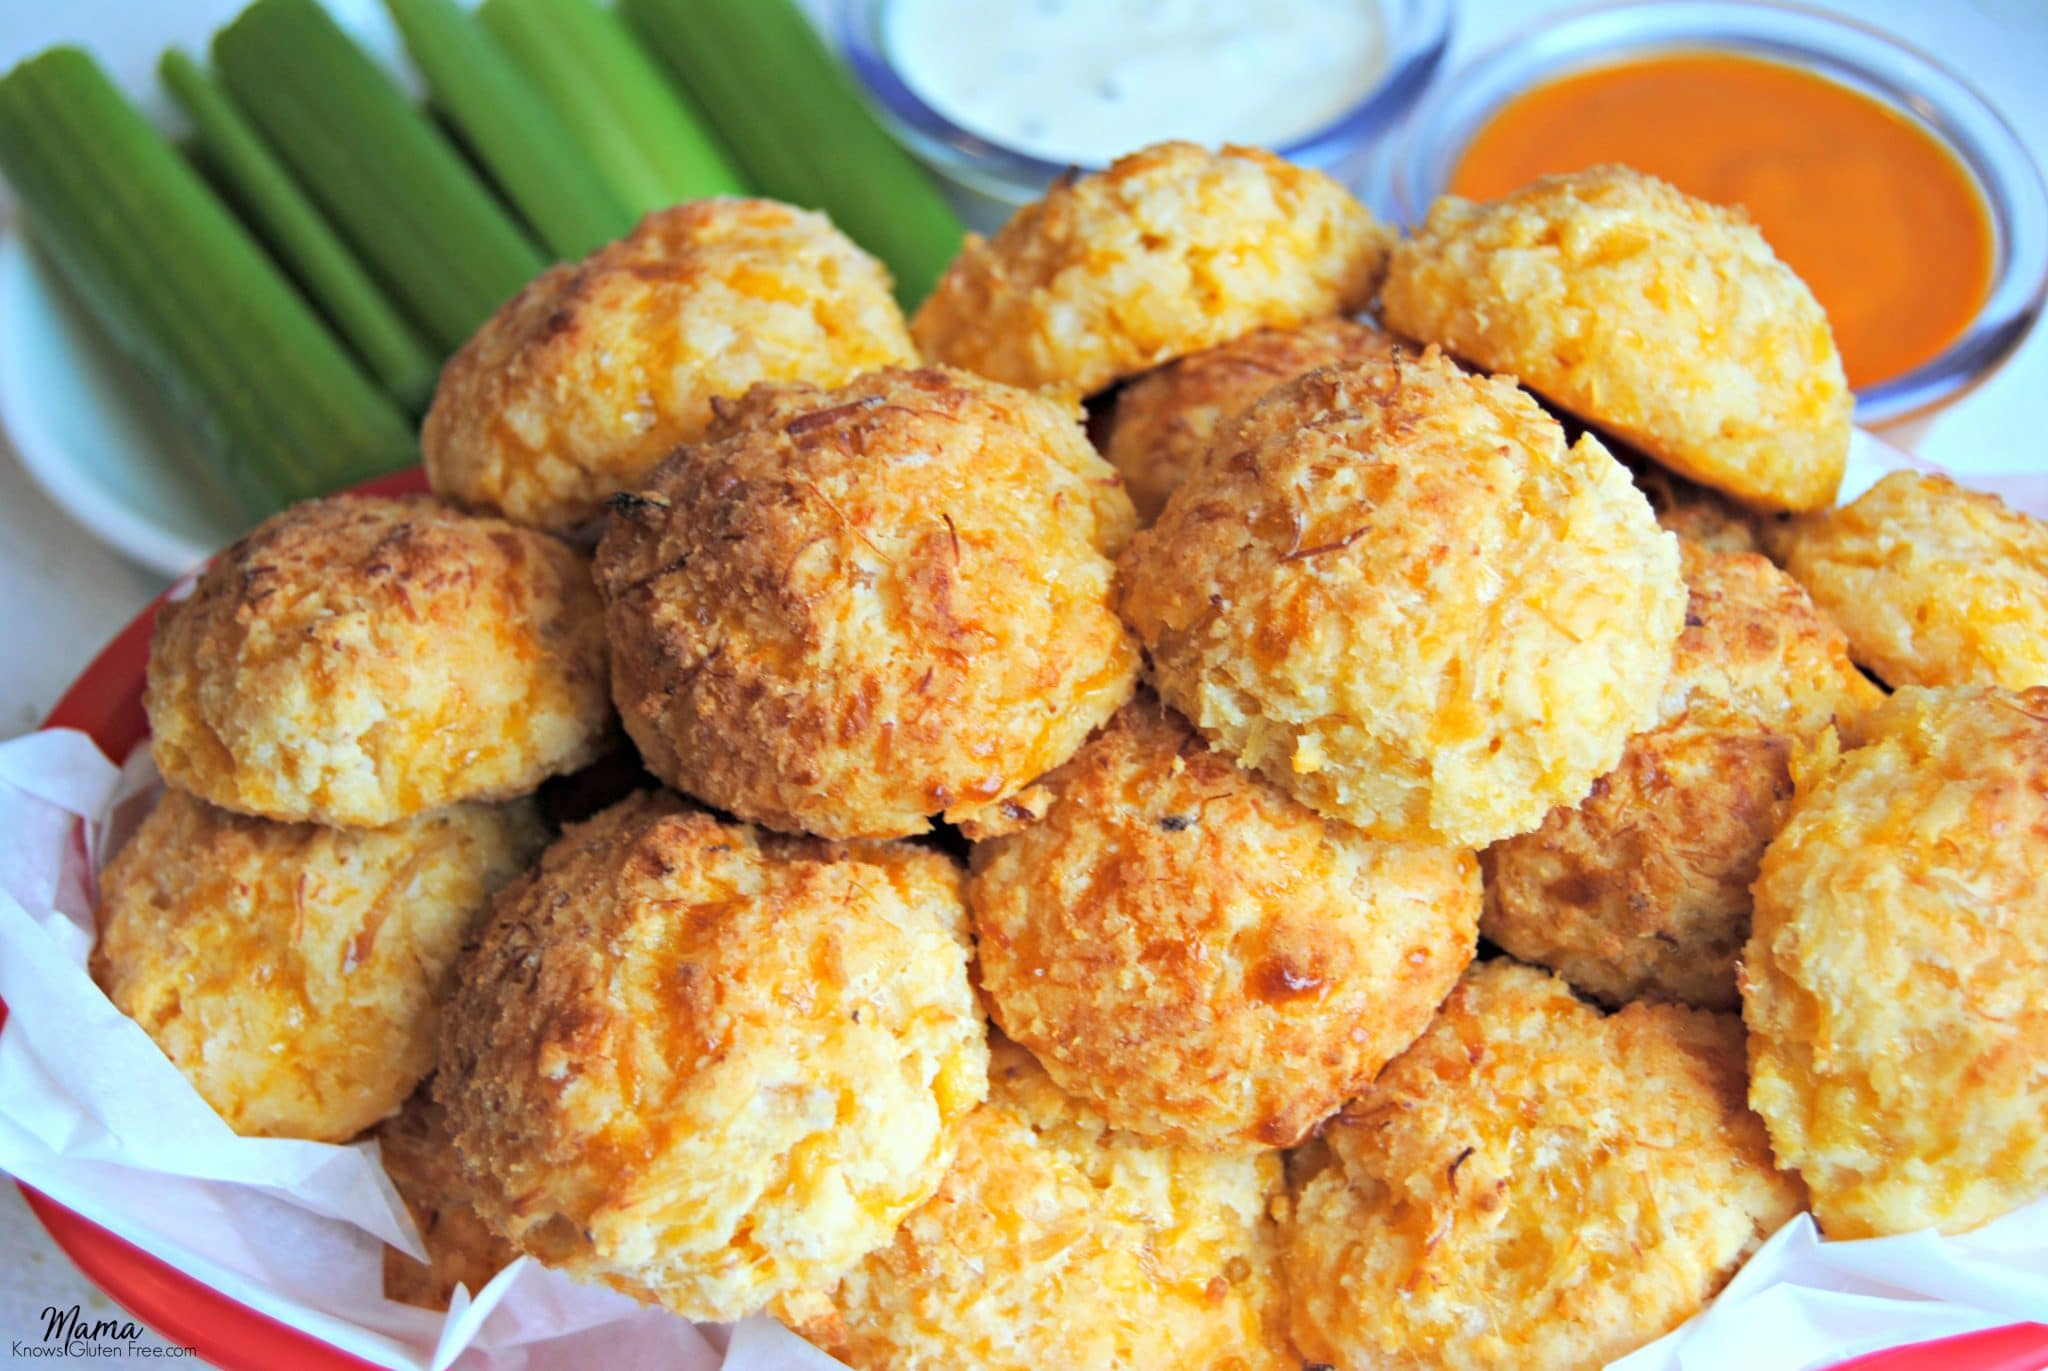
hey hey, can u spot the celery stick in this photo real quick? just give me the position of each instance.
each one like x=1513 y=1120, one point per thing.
x=274 y=205
x=272 y=399
x=789 y=113
x=639 y=131
x=537 y=162
x=431 y=231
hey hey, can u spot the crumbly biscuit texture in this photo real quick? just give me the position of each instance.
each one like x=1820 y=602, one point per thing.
x=356 y=661
x=1532 y=1185
x=1200 y=956
x=1163 y=423
x=1892 y=982
x=296 y=974
x=850 y=610
x=1934 y=584
x=1059 y=1242
x=711 y=1067
x=592 y=374
x=1643 y=887
x=1169 y=250
x=419 y=1157
x=1662 y=319
x=1394 y=590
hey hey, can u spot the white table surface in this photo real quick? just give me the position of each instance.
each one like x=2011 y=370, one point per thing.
x=64 y=595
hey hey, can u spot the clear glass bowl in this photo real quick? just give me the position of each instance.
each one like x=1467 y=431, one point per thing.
x=1415 y=165
x=988 y=180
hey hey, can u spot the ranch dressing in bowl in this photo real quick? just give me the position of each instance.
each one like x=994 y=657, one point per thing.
x=1082 y=81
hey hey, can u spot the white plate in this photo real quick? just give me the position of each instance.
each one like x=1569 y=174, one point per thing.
x=92 y=432
x=88 y=427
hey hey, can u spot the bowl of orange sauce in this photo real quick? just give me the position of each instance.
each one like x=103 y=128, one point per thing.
x=1900 y=196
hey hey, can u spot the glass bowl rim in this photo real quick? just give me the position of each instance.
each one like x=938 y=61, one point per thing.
x=1417 y=159
x=1418 y=43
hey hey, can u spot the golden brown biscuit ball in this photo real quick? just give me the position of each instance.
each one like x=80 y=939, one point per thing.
x=1401 y=597
x=1200 y=956
x=295 y=974
x=1934 y=584
x=709 y=1067
x=850 y=610
x=356 y=661
x=1643 y=888
x=1170 y=250
x=1162 y=423
x=420 y=1159
x=592 y=374
x=1532 y=1185
x=1893 y=981
x=1662 y=319
x=1058 y=1242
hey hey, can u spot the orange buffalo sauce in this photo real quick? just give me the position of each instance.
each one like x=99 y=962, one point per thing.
x=1878 y=218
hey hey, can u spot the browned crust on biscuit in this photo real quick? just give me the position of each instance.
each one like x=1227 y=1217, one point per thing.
x=1699 y=514
x=419 y=1156
x=708 y=1066
x=1167 y=251
x=853 y=609
x=1059 y=1242
x=1164 y=422
x=1935 y=584
x=1643 y=888
x=1200 y=956
x=1533 y=1185
x=1892 y=982
x=592 y=374
x=296 y=974
x=356 y=661
x=1396 y=592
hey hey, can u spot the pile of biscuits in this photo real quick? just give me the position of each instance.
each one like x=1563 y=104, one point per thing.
x=1047 y=930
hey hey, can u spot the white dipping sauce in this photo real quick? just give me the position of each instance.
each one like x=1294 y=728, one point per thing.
x=1083 y=81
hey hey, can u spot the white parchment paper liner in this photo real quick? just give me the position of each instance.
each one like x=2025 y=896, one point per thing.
x=95 y=1117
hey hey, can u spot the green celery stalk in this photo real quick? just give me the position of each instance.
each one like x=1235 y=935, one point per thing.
x=401 y=195
x=791 y=116
x=638 y=130
x=272 y=399
x=274 y=205
x=515 y=132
